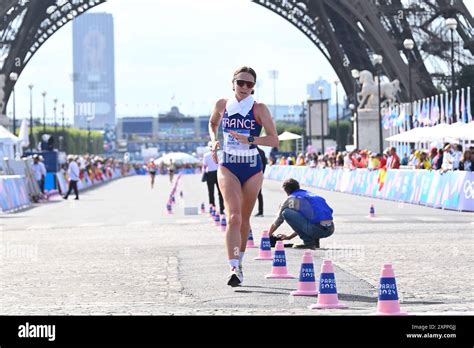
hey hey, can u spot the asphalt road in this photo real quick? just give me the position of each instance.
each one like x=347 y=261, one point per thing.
x=116 y=251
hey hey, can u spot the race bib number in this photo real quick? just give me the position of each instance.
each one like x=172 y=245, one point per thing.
x=232 y=144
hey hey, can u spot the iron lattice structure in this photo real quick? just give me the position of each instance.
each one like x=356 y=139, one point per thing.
x=347 y=32
x=25 y=26
x=350 y=32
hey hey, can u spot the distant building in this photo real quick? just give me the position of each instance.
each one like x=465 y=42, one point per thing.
x=288 y=113
x=168 y=132
x=94 y=70
x=312 y=89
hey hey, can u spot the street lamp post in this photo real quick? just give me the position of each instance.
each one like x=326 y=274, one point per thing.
x=54 y=109
x=356 y=74
x=337 y=116
x=62 y=115
x=452 y=24
x=378 y=59
x=353 y=119
x=30 y=86
x=321 y=90
x=310 y=140
x=44 y=111
x=303 y=125
x=14 y=77
x=409 y=44
x=88 y=135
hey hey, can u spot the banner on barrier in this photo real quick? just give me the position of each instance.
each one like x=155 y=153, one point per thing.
x=451 y=190
x=13 y=192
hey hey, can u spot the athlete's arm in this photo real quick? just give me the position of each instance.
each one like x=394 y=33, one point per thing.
x=271 y=139
x=214 y=122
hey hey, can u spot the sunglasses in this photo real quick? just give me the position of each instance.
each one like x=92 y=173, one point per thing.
x=242 y=83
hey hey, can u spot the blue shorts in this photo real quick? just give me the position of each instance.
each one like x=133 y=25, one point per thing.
x=243 y=167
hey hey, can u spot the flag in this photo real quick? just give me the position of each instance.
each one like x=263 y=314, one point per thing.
x=426 y=112
x=449 y=107
x=456 y=106
x=442 y=109
x=422 y=110
x=435 y=111
x=431 y=113
x=463 y=108
x=401 y=114
x=415 y=112
x=468 y=106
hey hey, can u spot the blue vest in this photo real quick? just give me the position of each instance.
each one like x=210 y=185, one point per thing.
x=247 y=125
x=312 y=206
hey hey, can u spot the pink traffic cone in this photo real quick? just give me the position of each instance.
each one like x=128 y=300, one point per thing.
x=223 y=223
x=265 y=252
x=279 y=270
x=217 y=220
x=371 y=211
x=327 y=297
x=306 y=283
x=388 y=303
x=250 y=242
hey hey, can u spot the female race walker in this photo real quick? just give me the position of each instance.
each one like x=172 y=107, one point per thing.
x=151 y=167
x=240 y=174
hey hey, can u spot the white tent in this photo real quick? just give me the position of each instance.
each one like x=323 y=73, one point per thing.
x=8 y=141
x=23 y=135
x=413 y=136
x=440 y=132
x=288 y=136
x=178 y=158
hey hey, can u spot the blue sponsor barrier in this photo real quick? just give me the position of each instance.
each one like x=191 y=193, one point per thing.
x=452 y=190
x=13 y=192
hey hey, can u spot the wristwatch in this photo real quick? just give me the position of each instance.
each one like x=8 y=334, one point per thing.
x=251 y=139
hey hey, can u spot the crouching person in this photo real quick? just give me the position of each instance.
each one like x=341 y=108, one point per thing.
x=308 y=214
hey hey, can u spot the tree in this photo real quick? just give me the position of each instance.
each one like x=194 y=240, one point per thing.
x=74 y=140
x=288 y=146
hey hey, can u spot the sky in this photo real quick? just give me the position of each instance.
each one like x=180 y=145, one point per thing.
x=182 y=52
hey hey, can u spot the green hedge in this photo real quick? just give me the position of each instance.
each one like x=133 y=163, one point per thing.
x=74 y=139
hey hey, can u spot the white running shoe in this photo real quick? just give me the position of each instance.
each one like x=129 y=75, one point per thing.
x=235 y=277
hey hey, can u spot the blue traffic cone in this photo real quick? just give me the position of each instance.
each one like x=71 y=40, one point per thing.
x=306 y=283
x=327 y=297
x=210 y=210
x=217 y=220
x=250 y=241
x=223 y=223
x=279 y=269
x=388 y=303
x=265 y=252
x=371 y=211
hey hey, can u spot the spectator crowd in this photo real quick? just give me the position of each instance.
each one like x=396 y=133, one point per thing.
x=446 y=158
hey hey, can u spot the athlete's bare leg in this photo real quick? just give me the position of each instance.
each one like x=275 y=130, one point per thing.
x=232 y=194
x=250 y=191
